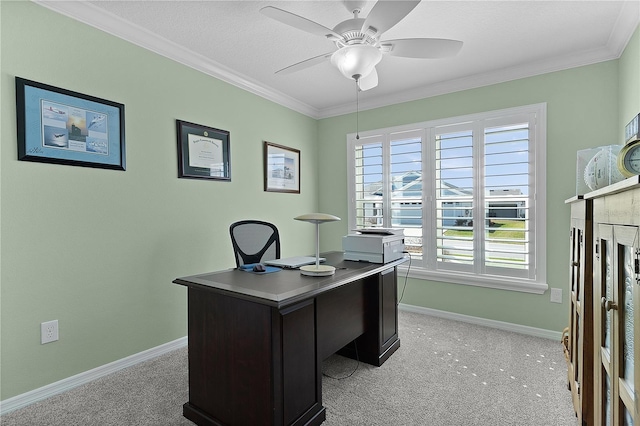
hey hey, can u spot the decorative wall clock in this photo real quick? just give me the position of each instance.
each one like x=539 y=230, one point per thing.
x=629 y=159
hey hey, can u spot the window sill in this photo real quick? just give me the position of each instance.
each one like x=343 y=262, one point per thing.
x=501 y=283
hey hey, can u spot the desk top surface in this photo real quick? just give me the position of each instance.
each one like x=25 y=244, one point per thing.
x=285 y=286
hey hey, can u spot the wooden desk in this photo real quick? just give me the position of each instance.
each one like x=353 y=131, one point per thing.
x=257 y=342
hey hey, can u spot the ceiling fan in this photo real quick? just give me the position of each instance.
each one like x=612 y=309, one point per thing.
x=358 y=40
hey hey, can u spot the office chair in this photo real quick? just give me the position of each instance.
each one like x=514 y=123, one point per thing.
x=253 y=241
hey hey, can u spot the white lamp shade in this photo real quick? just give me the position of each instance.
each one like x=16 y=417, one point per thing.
x=356 y=60
x=317 y=217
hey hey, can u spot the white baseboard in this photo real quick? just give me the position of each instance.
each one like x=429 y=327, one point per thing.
x=63 y=385
x=507 y=326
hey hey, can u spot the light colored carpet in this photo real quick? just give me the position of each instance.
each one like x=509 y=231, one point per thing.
x=445 y=373
x=454 y=373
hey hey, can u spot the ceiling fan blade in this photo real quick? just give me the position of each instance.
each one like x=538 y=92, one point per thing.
x=421 y=48
x=305 y=64
x=299 y=22
x=385 y=14
x=368 y=82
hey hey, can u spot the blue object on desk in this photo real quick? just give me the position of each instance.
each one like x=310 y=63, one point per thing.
x=267 y=269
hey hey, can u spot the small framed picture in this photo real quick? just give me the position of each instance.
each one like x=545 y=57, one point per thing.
x=60 y=126
x=281 y=168
x=203 y=152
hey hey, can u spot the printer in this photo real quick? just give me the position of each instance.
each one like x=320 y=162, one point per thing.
x=375 y=245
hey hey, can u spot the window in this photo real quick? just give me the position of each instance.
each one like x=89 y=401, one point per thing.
x=467 y=191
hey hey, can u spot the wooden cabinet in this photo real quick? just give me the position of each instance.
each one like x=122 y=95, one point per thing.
x=244 y=354
x=580 y=339
x=380 y=337
x=616 y=247
x=387 y=312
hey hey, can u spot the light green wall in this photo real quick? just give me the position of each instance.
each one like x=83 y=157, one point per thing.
x=629 y=82
x=582 y=111
x=98 y=249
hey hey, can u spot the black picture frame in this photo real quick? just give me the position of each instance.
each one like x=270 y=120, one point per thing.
x=61 y=126
x=281 y=168
x=203 y=152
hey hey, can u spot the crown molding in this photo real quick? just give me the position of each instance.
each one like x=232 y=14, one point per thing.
x=624 y=27
x=91 y=15
x=479 y=80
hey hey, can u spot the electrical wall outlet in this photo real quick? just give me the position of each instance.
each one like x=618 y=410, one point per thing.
x=49 y=332
x=556 y=295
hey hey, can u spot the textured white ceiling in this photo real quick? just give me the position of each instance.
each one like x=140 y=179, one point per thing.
x=232 y=40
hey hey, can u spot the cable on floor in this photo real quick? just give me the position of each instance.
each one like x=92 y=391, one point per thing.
x=350 y=374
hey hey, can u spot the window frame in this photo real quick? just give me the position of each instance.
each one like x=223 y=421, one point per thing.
x=427 y=130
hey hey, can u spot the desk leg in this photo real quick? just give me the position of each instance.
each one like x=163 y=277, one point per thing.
x=380 y=339
x=296 y=367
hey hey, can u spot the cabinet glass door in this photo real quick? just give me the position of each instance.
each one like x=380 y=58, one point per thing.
x=605 y=252
x=575 y=308
x=619 y=326
x=626 y=238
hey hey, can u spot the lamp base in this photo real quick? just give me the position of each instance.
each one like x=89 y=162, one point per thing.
x=317 y=271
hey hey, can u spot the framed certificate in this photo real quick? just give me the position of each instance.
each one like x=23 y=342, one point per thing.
x=203 y=152
x=63 y=127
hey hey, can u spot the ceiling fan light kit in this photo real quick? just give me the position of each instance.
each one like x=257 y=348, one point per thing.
x=356 y=61
x=358 y=41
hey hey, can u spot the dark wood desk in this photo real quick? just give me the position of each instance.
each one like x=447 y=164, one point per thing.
x=257 y=341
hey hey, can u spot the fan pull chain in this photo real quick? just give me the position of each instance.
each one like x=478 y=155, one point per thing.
x=357 y=111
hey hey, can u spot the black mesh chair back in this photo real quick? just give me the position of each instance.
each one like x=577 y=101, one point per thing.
x=253 y=241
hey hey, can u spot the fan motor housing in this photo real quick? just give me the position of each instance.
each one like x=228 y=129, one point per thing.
x=351 y=31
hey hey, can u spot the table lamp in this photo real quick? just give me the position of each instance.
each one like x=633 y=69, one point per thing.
x=317 y=270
